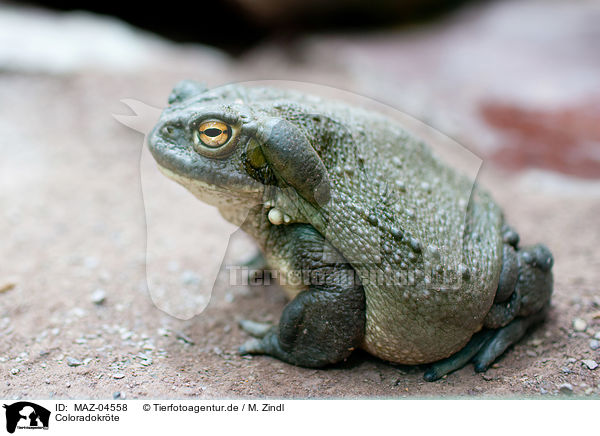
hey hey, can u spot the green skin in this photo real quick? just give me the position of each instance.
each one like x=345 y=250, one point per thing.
x=405 y=257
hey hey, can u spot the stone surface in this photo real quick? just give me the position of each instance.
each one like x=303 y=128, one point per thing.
x=70 y=180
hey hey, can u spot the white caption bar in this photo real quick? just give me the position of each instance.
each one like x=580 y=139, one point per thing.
x=283 y=417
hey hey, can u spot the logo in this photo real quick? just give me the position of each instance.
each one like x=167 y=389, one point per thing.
x=26 y=415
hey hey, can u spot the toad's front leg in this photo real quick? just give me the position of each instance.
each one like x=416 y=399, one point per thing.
x=325 y=322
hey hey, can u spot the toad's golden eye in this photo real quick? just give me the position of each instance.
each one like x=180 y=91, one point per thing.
x=213 y=134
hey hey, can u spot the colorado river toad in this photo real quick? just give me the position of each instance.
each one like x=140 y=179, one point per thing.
x=398 y=254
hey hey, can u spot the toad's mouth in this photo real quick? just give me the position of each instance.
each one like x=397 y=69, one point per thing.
x=216 y=194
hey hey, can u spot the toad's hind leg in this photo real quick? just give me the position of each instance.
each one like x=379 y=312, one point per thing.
x=522 y=300
x=528 y=305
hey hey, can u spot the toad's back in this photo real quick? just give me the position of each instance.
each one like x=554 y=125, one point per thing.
x=427 y=251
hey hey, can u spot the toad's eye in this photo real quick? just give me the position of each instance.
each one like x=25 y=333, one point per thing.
x=213 y=134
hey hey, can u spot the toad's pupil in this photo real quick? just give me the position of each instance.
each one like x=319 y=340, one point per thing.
x=212 y=132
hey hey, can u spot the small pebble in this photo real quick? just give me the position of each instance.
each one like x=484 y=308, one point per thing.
x=116 y=395
x=98 y=296
x=118 y=375
x=90 y=262
x=71 y=361
x=184 y=337
x=594 y=344
x=15 y=371
x=591 y=364
x=579 y=325
x=566 y=388
x=5 y=287
x=104 y=276
x=597 y=335
x=162 y=331
x=189 y=277
x=78 y=312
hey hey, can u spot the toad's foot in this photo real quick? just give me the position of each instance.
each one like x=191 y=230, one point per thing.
x=485 y=347
x=459 y=359
x=504 y=338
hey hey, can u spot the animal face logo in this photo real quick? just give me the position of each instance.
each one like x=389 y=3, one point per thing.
x=26 y=415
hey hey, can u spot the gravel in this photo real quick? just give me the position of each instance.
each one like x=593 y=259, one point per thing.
x=98 y=296
x=5 y=287
x=71 y=361
x=579 y=325
x=189 y=277
x=566 y=388
x=185 y=338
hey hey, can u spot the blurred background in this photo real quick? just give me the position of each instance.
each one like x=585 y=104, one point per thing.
x=517 y=82
x=516 y=75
